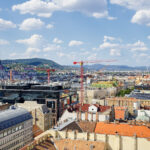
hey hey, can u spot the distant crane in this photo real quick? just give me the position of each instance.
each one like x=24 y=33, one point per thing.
x=81 y=63
x=48 y=72
x=11 y=75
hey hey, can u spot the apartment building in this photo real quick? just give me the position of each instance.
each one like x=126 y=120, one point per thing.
x=42 y=116
x=15 y=128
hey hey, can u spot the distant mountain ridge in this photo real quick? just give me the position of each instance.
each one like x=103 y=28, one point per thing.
x=52 y=64
x=115 y=67
x=34 y=62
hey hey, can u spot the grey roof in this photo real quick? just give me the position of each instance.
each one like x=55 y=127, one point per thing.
x=13 y=116
x=61 y=126
x=44 y=109
x=138 y=95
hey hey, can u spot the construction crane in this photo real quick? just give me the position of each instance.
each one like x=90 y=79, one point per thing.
x=48 y=72
x=81 y=63
x=11 y=76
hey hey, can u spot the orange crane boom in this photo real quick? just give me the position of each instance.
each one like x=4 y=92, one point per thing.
x=81 y=63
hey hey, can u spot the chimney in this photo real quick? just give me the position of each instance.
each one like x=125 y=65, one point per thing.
x=79 y=115
x=97 y=117
x=75 y=134
x=91 y=147
x=95 y=137
x=86 y=116
x=66 y=134
x=88 y=136
x=91 y=116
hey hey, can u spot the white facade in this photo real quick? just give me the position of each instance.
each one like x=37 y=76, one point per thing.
x=143 y=115
x=92 y=109
x=90 y=117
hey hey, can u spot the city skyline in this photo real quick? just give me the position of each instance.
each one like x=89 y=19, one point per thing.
x=65 y=31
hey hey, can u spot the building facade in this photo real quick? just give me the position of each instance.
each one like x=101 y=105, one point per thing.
x=15 y=128
x=42 y=116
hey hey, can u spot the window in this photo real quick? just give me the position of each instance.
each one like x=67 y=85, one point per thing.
x=9 y=131
x=17 y=128
x=1 y=135
x=5 y=133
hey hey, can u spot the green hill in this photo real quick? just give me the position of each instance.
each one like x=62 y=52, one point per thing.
x=33 y=62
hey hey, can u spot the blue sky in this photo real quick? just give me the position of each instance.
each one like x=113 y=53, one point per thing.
x=67 y=31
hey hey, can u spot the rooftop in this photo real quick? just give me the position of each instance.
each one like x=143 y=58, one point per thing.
x=85 y=107
x=46 y=144
x=87 y=126
x=67 y=144
x=122 y=129
x=13 y=116
x=123 y=99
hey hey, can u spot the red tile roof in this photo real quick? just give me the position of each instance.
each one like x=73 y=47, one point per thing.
x=122 y=129
x=85 y=107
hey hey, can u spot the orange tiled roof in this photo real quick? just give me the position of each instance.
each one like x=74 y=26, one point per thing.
x=69 y=144
x=122 y=129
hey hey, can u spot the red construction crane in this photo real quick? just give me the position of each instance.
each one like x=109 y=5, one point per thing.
x=82 y=75
x=48 y=72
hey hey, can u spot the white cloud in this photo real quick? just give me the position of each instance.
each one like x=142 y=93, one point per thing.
x=34 y=40
x=93 y=56
x=106 y=45
x=50 y=26
x=97 y=9
x=51 y=47
x=137 y=46
x=32 y=50
x=142 y=17
x=142 y=8
x=143 y=55
x=31 y=23
x=57 y=41
x=133 y=4
x=4 y=24
x=13 y=55
x=3 y=42
x=60 y=54
x=36 y=7
x=114 y=52
x=148 y=37
x=109 y=38
x=75 y=43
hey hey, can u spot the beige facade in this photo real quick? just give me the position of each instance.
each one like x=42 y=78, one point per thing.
x=125 y=101
x=98 y=94
x=114 y=142
x=42 y=116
